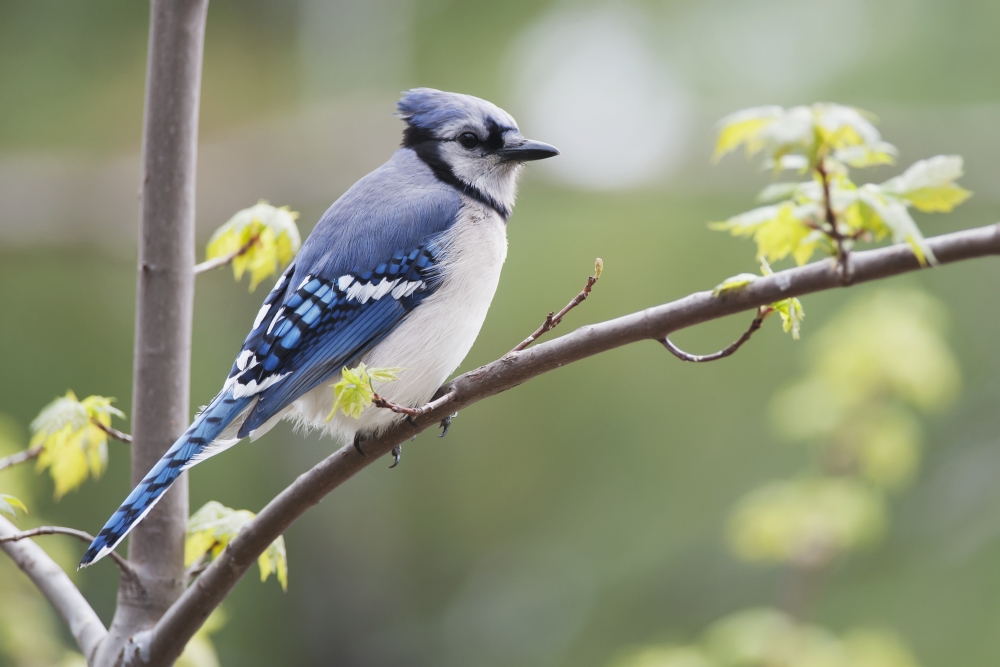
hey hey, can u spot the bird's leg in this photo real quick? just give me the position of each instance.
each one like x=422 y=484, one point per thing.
x=446 y=424
x=397 y=453
x=357 y=443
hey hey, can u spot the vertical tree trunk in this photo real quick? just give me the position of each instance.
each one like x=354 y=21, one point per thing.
x=164 y=299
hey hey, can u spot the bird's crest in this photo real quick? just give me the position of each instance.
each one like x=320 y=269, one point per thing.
x=436 y=110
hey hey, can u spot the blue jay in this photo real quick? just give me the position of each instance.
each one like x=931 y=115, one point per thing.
x=399 y=272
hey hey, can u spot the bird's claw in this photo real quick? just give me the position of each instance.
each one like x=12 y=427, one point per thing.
x=357 y=444
x=409 y=418
x=446 y=424
x=397 y=453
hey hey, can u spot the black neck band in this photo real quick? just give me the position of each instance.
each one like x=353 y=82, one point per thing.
x=428 y=148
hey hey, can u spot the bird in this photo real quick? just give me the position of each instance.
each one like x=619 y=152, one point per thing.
x=399 y=272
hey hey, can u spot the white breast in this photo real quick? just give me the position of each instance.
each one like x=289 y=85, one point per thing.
x=435 y=337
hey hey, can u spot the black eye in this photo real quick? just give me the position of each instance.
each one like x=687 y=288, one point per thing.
x=468 y=140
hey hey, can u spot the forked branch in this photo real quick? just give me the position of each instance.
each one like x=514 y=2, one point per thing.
x=762 y=314
x=81 y=535
x=553 y=319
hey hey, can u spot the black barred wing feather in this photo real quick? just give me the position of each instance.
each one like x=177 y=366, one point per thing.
x=323 y=324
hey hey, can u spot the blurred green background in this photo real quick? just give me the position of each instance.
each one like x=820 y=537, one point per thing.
x=584 y=512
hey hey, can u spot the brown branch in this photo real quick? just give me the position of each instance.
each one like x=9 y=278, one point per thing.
x=552 y=320
x=412 y=413
x=55 y=585
x=164 y=310
x=81 y=535
x=113 y=432
x=167 y=639
x=20 y=457
x=843 y=258
x=762 y=313
x=210 y=264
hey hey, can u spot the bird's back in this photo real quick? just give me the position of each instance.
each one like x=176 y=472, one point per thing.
x=397 y=206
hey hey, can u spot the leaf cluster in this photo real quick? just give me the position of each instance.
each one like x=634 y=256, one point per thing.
x=214 y=526
x=828 y=212
x=74 y=447
x=355 y=390
x=266 y=234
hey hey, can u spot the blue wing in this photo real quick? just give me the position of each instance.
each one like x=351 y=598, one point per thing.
x=325 y=324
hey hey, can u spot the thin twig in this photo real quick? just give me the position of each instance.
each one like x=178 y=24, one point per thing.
x=762 y=313
x=81 y=535
x=55 y=585
x=20 y=457
x=215 y=263
x=843 y=259
x=165 y=641
x=113 y=432
x=412 y=413
x=552 y=320
x=380 y=402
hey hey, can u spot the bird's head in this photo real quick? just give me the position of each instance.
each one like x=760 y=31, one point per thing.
x=469 y=142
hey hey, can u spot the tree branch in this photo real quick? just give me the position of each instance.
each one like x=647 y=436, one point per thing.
x=81 y=535
x=84 y=625
x=164 y=309
x=762 y=313
x=20 y=457
x=552 y=320
x=162 y=645
x=113 y=432
x=211 y=264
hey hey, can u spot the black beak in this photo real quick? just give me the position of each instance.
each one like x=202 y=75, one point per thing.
x=527 y=151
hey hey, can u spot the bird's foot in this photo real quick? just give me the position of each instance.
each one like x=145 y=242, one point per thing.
x=446 y=424
x=397 y=453
x=357 y=443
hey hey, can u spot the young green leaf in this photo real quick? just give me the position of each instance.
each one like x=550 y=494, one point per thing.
x=275 y=560
x=8 y=505
x=272 y=236
x=778 y=231
x=791 y=314
x=873 y=155
x=929 y=185
x=736 y=282
x=892 y=212
x=352 y=393
x=744 y=128
x=74 y=447
x=384 y=374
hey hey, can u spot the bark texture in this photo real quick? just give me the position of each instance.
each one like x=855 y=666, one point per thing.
x=164 y=301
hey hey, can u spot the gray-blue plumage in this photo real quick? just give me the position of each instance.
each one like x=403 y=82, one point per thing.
x=400 y=271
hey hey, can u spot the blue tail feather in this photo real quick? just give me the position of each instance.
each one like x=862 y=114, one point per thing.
x=191 y=448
